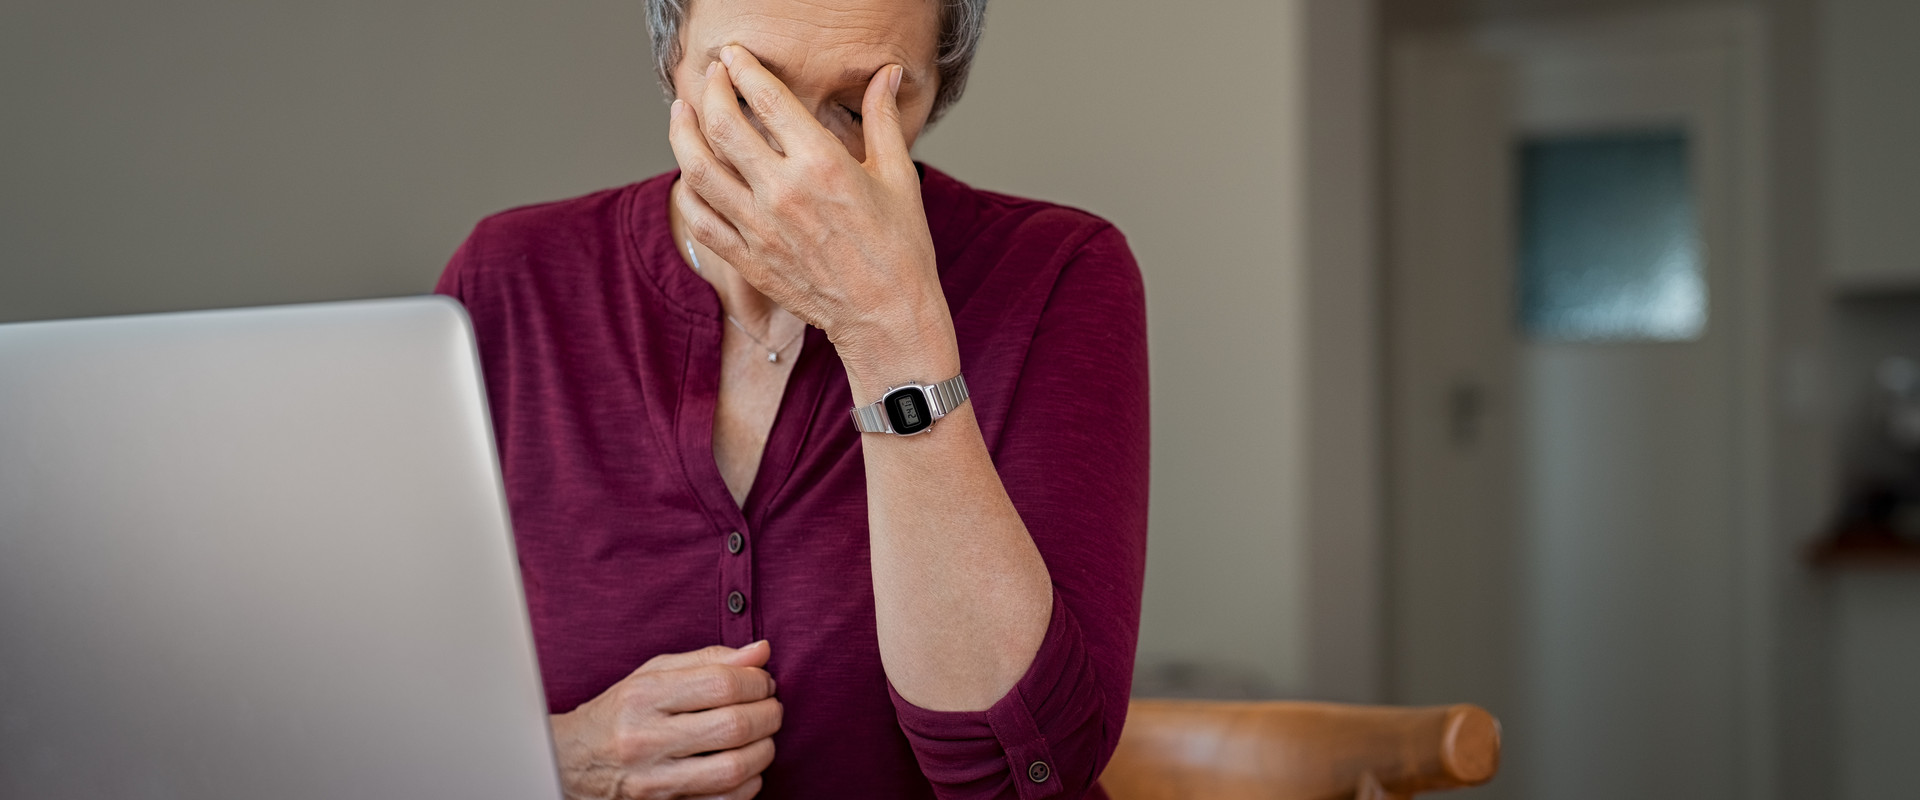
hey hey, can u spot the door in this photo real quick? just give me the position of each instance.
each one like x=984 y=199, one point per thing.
x=1565 y=312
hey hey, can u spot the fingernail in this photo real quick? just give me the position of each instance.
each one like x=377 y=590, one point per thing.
x=894 y=82
x=711 y=66
x=679 y=107
x=726 y=54
x=755 y=644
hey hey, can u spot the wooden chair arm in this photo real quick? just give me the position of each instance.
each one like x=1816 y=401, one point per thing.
x=1299 y=751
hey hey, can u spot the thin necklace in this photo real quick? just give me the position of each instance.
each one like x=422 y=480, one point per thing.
x=773 y=353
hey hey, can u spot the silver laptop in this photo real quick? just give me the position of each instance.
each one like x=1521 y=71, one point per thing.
x=259 y=553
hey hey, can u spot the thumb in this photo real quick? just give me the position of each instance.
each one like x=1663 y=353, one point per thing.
x=880 y=121
x=753 y=655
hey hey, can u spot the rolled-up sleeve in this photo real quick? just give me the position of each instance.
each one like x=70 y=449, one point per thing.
x=1073 y=456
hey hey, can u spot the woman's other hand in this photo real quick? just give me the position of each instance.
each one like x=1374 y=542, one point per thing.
x=841 y=243
x=683 y=725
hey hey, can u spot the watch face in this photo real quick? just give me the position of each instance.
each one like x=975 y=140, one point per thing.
x=907 y=409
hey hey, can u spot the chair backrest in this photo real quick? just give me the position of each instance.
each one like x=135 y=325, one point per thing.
x=1299 y=751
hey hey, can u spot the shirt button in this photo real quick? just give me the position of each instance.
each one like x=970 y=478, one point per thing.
x=1039 y=772
x=737 y=602
x=735 y=541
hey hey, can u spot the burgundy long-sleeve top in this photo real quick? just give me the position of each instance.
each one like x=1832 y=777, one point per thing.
x=601 y=350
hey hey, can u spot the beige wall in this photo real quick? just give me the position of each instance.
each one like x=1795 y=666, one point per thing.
x=200 y=153
x=1188 y=125
x=1403 y=14
x=214 y=153
x=1181 y=131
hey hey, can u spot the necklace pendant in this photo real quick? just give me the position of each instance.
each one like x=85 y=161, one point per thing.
x=772 y=356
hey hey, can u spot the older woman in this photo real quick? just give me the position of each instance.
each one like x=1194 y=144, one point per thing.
x=738 y=587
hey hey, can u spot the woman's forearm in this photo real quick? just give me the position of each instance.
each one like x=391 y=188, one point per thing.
x=961 y=595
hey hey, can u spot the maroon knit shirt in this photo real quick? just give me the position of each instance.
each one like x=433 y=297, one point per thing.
x=601 y=350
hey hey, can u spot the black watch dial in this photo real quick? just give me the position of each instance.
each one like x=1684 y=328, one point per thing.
x=907 y=409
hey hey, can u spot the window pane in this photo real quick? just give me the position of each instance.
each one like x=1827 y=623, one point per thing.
x=1609 y=246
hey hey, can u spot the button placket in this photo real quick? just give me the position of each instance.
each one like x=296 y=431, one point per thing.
x=737 y=625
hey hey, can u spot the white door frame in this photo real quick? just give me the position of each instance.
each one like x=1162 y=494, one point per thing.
x=1740 y=32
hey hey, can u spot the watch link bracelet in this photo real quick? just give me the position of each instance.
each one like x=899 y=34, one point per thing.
x=910 y=409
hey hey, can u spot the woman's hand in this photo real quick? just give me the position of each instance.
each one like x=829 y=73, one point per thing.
x=842 y=244
x=682 y=725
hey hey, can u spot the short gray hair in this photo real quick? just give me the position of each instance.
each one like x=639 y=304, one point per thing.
x=961 y=22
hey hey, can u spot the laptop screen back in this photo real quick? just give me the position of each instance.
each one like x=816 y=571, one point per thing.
x=259 y=553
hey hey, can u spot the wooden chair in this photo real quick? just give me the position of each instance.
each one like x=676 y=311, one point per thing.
x=1299 y=751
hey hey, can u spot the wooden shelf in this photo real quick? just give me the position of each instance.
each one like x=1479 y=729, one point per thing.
x=1849 y=551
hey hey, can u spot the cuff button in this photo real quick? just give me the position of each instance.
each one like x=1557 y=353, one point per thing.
x=1039 y=772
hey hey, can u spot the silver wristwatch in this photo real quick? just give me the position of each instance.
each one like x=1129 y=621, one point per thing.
x=910 y=409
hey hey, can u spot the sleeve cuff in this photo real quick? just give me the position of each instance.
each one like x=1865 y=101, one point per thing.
x=1038 y=741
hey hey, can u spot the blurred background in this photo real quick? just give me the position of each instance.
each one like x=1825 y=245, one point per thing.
x=1581 y=333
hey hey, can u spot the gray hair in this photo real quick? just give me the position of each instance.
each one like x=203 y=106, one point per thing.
x=961 y=22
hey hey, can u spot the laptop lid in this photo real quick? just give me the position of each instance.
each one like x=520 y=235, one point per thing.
x=259 y=553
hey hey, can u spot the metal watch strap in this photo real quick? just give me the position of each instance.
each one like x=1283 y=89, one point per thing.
x=944 y=396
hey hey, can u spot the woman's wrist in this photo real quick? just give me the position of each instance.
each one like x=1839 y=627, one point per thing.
x=914 y=343
x=567 y=751
x=870 y=375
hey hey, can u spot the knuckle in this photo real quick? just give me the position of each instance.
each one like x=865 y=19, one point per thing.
x=635 y=744
x=705 y=229
x=727 y=682
x=733 y=726
x=632 y=693
x=698 y=172
x=708 y=684
x=783 y=198
x=763 y=99
x=816 y=164
x=733 y=768
x=639 y=786
x=717 y=128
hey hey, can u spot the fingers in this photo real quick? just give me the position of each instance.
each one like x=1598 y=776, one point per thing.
x=770 y=100
x=724 y=772
x=725 y=728
x=700 y=169
x=710 y=686
x=707 y=226
x=880 y=113
x=745 y=791
x=753 y=655
x=729 y=133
